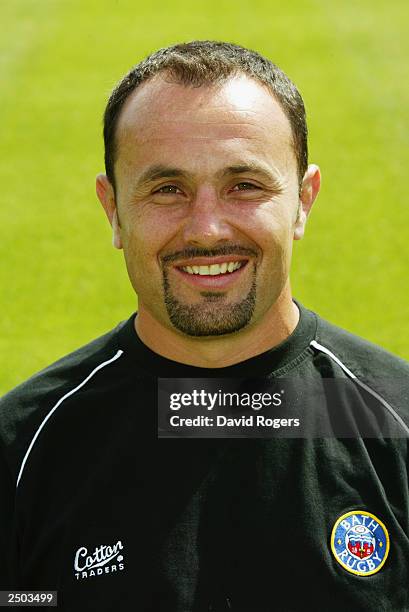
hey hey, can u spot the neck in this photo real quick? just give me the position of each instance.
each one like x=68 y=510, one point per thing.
x=221 y=351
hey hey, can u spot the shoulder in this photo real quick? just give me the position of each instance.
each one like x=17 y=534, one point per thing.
x=365 y=359
x=69 y=369
x=24 y=407
x=383 y=375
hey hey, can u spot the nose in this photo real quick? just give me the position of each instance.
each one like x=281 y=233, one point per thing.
x=206 y=224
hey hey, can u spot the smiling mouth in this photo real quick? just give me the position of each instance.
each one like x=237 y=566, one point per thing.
x=227 y=267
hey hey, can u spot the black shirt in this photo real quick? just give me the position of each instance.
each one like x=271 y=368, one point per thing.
x=115 y=519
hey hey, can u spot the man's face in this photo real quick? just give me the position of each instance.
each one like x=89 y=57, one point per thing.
x=206 y=201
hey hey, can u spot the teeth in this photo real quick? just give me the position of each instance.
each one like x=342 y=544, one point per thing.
x=213 y=269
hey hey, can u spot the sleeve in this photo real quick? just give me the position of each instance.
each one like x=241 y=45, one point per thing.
x=7 y=494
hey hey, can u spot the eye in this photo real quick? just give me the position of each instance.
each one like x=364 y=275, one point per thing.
x=245 y=186
x=172 y=189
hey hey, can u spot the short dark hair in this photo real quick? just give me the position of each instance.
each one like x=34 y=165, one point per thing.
x=207 y=62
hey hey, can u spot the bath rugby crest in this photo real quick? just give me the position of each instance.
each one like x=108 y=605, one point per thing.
x=360 y=542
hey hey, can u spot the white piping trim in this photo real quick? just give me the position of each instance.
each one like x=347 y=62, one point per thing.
x=384 y=403
x=60 y=401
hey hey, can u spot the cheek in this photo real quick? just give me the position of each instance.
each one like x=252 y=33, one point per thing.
x=143 y=240
x=150 y=228
x=142 y=237
x=273 y=229
x=276 y=245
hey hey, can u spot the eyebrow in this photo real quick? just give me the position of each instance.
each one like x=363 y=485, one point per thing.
x=153 y=173
x=251 y=169
x=158 y=171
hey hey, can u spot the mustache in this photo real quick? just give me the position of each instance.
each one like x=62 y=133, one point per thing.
x=233 y=249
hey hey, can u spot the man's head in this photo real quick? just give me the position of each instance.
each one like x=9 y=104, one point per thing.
x=207 y=184
x=204 y=63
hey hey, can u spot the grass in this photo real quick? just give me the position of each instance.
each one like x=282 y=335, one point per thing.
x=62 y=283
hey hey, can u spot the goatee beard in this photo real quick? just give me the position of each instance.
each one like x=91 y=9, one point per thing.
x=211 y=317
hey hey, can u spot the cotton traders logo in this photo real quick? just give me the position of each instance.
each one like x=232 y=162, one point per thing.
x=102 y=560
x=360 y=542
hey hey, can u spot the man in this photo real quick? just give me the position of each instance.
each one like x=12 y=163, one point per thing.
x=207 y=185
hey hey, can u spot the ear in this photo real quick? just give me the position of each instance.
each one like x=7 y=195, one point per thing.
x=106 y=196
x=309 y=190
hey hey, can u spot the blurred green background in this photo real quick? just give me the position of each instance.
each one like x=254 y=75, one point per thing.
x=61 y=281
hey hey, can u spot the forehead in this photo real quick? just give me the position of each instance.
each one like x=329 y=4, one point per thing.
x=164 y=121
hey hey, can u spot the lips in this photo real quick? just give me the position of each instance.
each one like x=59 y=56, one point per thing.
x=212 y=274
x=214 y=269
